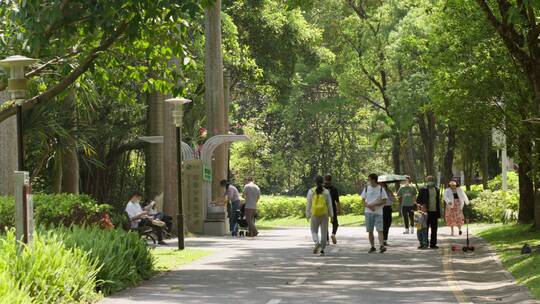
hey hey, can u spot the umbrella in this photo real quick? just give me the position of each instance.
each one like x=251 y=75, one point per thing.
x=390 y=178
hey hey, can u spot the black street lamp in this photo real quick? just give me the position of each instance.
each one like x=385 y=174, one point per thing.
x=178 y=114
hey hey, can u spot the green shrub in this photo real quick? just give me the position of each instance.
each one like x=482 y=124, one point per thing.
x=55 y=209
x=271 y=207
x=10 y=293
x=495 y=206
x=351 y=204
x=124 y=258
x=473 y=194
x=7 y=212
x=512 y=182
x=48 y=271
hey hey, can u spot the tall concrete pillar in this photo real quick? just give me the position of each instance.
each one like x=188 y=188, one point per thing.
x=214 y=96
x=8 y=151
x=154 y=152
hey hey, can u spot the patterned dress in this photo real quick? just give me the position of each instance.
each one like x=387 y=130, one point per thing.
x=453 y=214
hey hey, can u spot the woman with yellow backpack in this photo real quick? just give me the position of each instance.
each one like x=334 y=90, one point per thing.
x=318 y=210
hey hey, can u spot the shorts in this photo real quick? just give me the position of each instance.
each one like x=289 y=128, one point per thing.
x=374 y=220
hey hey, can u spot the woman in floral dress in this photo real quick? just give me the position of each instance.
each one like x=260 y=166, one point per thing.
x=454 y=198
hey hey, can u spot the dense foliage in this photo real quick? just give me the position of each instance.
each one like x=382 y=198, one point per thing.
x=324 y=86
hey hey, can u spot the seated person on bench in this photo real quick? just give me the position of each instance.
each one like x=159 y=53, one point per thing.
x=140 y=217
x=155 y=208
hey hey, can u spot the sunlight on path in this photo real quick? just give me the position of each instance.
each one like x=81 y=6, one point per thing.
x=278 y=267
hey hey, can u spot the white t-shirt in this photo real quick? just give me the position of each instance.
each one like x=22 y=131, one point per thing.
x=134 y=209
x=372 y=195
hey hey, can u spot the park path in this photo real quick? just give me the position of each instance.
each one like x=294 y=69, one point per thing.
x=278 y=267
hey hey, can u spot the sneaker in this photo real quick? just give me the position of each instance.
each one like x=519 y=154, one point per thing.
x=372 y=250
x=406 y=231
x=434 y=247
x=334 y=240
x=385 y=243
x=421 y=247
x=317 y=248
x=412 y=230
x=322 y=253
x=163 y=243
x=382 y=249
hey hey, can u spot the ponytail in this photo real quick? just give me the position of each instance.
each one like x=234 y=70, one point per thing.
x=319 y=181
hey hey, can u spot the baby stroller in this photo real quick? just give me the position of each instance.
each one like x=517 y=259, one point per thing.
x=243 y=228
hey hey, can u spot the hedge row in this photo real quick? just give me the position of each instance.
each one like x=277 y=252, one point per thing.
x=271 y=207
x=55 y=210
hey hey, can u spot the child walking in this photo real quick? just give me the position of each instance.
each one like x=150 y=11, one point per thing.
x=318 y=210
x=420 y=220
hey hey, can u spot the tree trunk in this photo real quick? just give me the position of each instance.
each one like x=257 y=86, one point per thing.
x=154 y=152
x=537 y=208
x=56 y=185
x=427 y=134
x=484 y=160
x=70 y=155
x=396 y=152
x=526 y=187
x=449 y=155
x=409 y=166
x=214 y=95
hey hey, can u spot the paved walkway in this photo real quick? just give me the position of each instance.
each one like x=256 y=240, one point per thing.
x=278 y=267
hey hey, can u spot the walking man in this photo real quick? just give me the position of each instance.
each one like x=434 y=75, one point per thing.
x=336 y=205
x=233 y=197
x=429 y=197
x=374 y=198
x=251 y=194
x=407 y=197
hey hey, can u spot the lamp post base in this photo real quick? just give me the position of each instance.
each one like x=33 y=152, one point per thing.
x=180 y=231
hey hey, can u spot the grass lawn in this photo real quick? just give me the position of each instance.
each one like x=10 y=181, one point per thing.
x=168 y=259
x=508 y=240
x=348 y=220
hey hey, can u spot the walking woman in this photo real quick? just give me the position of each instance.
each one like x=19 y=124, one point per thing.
x=387 y=212
x=455 y=199
x=318 y=210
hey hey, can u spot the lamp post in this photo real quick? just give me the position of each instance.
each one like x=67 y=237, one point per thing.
x=17 y=91
x=178 y=114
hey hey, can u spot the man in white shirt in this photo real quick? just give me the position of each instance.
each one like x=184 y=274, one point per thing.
x=251 y=194
x=139 y=217
x=374 y=198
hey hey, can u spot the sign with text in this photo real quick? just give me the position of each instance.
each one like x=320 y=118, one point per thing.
x=193 y=194
x=207 y=173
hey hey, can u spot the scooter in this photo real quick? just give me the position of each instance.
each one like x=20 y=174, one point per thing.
x=469 y=247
